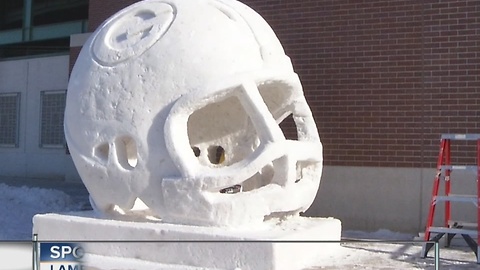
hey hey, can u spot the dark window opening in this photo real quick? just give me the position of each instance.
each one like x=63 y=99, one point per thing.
x=61 y=45
x=11 y=15
x=57 y=11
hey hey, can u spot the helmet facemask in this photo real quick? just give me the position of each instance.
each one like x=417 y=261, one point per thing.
x=231 y=145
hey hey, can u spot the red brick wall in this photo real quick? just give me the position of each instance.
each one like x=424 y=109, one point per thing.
x=74 y=52
x=100 y=10
x=451 y=70
x=384 y=78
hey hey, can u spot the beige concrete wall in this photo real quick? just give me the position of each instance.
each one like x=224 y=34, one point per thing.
x=29 y=77
x=372 y=198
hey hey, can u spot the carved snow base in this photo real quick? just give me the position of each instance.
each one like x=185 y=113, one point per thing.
x=192 y=247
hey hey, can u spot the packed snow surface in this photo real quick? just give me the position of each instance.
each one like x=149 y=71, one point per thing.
x=382 y=249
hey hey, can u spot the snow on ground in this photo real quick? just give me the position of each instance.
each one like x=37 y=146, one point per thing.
x=360 y=250
x=19 y=204
x=382 y=255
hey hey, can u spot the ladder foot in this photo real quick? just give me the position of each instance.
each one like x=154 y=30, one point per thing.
x=478 y=252
x=425 y=249
x=471 y=243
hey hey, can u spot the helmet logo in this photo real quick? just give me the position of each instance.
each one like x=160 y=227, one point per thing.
x=131 y=33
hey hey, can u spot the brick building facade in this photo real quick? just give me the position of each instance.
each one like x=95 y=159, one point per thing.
x=384 y=79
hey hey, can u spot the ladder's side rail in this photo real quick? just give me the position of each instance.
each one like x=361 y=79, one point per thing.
x=478 y=199
x=447 y=182
x=436 y=184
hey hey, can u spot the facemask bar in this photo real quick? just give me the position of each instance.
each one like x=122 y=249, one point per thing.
x=273 y=146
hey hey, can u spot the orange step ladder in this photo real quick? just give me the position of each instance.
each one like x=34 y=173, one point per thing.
x=450 y=228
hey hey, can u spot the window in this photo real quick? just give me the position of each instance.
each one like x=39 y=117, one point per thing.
x=11 y=14
x=51 y=122
x=9 y=118
x=58 y=11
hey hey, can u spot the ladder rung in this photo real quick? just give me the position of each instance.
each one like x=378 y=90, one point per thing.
x=461 y=136
x=457 y=198
x=462 y=224
x=459 y=167
x=453 y=231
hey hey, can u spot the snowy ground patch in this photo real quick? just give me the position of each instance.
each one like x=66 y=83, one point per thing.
x=19 y=204
x=361 y=250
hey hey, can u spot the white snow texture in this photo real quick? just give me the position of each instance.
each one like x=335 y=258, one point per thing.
x=20 y=204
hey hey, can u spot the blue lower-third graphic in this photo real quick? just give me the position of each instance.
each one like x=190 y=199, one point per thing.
x=61 y=256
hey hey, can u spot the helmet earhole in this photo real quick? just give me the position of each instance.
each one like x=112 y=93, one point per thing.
x=196 y=151
x=127 y=152
x=216 y=154
x=101 y=152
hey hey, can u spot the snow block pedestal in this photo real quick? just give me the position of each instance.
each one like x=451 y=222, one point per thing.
x=294 y=243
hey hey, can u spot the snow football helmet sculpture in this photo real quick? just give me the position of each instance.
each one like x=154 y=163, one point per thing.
x=173 y=111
